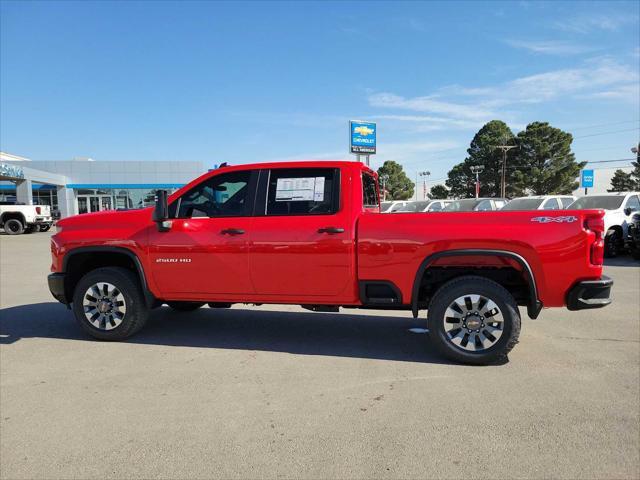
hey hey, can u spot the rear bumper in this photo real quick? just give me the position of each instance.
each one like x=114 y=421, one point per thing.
x=56 y=287
x=43 y=220
x=590 y=294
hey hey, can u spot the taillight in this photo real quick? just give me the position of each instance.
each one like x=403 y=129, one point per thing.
x=38 y=210
x=596 y=225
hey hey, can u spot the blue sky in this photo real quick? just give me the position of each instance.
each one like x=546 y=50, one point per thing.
x=245 y=82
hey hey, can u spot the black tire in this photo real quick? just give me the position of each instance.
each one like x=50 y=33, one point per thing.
x=31 y=229
x=128 y=284
x=44 y=228
x=473 y=285
x=185 y=306
x=13 y=226
x=611 y=244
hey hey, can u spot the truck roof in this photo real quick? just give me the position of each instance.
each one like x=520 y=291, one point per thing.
x=300 y=164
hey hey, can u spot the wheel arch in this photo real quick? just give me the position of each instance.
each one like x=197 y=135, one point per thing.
x=13 y=215
x=534 y=305
x=79 y=261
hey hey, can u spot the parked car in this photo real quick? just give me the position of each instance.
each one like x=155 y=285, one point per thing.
x=304 y=233
x=424 y=206
x=618 y=209
x=633 y=237
x=540 y=202
x=476 y=205
x=393 y=206
x=17 y=219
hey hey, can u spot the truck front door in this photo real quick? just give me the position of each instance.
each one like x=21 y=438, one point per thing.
x=206 y=250
x=302 y=236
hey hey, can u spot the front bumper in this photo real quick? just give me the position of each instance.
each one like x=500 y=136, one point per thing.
x=590 y=294
x=56 y=287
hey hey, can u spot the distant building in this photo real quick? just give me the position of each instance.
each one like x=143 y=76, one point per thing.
x=84 y=185
x=601 y=181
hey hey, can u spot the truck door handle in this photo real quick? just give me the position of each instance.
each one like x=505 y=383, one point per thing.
x=232 y=231
x=331 y=230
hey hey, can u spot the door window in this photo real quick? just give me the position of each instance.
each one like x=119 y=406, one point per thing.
x=220 y=196
x=484 y=206
x=435 y=207
x=370 y=197
x=304 y=191
x=551 y=204
x=633 y=203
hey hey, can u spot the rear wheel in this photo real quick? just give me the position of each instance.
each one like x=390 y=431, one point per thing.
x=474 y=320
x=109 y=305
x=185 y=306
x=611 y=244
x=13 y=226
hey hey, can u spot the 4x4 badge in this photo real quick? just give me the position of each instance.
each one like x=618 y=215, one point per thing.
x=567 y=219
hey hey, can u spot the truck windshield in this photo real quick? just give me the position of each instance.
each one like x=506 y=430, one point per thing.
x=607 y=202
x=462 y=205
x=523 y=204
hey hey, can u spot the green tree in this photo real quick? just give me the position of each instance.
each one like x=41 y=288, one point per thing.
x=545 y=163
x=397 y=184
x=438 y=192
x=622 y=182
x=482 y=151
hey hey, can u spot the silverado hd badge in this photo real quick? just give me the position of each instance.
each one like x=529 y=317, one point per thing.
x=567 y=219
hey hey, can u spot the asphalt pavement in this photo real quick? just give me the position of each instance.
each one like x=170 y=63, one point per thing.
x=280 y=392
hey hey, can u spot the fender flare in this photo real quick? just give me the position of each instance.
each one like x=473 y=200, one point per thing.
x=533 y=307
x=150 y=298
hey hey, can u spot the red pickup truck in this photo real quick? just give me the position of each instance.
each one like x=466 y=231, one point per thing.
x=311 y=233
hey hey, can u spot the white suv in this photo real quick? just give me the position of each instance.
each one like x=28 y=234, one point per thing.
x=618 y=210
x=540 y=202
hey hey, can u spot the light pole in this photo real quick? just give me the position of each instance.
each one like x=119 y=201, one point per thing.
x=477 y=169
x=505 y=148
x=383 y=180
x=425 y=173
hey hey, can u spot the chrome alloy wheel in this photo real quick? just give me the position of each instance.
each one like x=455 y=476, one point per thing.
x=473 y=323
x=104 y=306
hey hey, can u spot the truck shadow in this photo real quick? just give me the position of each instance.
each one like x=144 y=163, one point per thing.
x=338 y=335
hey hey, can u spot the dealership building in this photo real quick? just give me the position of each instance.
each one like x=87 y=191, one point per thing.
x=83 y=185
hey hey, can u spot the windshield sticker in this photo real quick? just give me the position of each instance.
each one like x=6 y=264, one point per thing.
x=300 y=189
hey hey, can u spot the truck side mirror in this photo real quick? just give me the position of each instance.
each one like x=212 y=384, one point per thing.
x=161 y=211
x=628 y=210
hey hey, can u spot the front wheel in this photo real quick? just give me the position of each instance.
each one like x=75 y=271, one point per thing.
x=474 y=320
x=109 y=305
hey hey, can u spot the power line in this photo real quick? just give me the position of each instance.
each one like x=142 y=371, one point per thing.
x=607 y=133
x=606 y=125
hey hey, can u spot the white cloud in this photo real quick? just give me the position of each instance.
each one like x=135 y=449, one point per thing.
x=550 y=47
x=589 y=23
x=428 y=104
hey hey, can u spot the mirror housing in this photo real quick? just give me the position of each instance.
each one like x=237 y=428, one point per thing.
x=161 y=211
x=628 y=210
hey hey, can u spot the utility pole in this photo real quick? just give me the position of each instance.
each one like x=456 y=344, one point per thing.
x=421 y=174
x=505 y=149
x=383 y=179
x=477 y=169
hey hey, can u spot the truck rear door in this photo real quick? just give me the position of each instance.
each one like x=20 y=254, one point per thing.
x=302 y=236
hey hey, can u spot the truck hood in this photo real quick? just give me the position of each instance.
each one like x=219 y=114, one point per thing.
x=108 y=219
